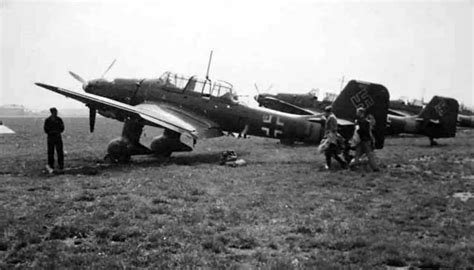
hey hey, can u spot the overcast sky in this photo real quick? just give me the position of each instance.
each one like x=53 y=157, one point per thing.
x=414 y=48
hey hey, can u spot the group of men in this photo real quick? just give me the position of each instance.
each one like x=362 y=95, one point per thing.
x=362 y=141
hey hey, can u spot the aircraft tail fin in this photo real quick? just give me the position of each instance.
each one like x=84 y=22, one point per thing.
x=373 y=97
x=444 y=111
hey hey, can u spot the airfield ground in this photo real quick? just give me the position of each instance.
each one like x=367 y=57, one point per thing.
x=278 y=212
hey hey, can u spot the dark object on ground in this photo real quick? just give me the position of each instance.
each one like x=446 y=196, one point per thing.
x=228 y=156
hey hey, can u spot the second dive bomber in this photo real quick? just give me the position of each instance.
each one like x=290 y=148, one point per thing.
x=188 y=109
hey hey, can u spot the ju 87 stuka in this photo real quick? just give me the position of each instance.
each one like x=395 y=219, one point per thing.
x=188 y=109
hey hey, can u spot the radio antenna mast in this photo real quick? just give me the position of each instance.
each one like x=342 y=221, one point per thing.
x=209 y=66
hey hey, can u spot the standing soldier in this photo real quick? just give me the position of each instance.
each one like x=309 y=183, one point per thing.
x=365 y=145
x=54 y=126
x=332 y=137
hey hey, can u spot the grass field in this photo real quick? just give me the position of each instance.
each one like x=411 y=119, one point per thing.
x=278 y=212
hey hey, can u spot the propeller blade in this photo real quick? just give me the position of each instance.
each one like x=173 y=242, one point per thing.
x=107 y=70
x=77 y=77
x=256 y=87
x=92 y=114
x=257 y=96
x=269 y=88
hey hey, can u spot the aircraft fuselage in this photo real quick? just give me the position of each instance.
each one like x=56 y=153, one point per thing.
x=226 y=111
x=466 y=120
x=412 y=125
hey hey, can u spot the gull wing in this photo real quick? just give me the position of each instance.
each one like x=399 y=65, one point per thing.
x=204 y=127
x=150 y=114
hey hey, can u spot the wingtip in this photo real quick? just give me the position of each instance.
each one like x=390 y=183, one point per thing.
x=49 y=87
x=41 y=84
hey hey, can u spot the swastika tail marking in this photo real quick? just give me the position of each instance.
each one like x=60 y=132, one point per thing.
x=362 y=99
x=441 y=108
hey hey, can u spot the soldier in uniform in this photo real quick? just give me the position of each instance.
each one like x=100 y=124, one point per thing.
x=332 y=137
x=53 y=127
x=364 y=125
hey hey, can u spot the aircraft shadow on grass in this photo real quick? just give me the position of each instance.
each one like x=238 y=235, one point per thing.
x=145 y=162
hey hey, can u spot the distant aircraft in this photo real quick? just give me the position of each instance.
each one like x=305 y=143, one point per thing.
x=437 y=120
x=5 y=130
x=404 y=108
x=190 y=109
x=400 y=108
x=308 y=100
x=373 y=97
x=466 y=120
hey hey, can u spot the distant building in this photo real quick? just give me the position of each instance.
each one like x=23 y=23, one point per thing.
x=417 y=102
x=13 y=110
x=330 y=97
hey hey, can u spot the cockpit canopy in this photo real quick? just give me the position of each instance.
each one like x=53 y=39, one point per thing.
x=206 y=87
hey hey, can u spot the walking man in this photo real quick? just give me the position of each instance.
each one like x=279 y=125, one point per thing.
x=332 y=137
x=53 y=127
x=365 y=145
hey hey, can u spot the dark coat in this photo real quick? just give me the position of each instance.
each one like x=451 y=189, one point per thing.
x=53 y=126
x=364 y=130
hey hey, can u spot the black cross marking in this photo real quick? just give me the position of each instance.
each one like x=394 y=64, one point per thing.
x=271 y=124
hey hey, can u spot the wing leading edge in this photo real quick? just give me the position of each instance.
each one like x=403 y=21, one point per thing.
x=154 y=116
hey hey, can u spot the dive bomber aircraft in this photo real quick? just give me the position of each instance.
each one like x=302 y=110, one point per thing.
x=373 y=97
x=400 y=108
x=190 y=109
x=437 y=120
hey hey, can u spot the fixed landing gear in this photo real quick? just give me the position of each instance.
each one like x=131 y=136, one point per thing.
x=433 y=142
